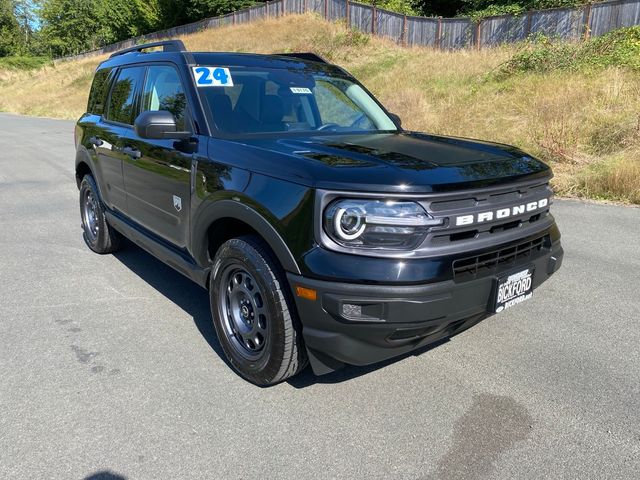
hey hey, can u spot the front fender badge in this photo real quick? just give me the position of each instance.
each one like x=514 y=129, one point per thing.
x=177 y=203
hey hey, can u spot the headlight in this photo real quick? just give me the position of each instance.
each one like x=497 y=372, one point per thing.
x=377 y=224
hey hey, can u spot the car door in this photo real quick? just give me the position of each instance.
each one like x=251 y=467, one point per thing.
x=115 y=124
x=157 y=177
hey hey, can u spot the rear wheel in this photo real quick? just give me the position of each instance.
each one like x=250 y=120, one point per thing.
x=253 y=314
x=97 y=233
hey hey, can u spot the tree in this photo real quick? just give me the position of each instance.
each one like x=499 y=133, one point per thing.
x=9 y=29
x=26 y=14
x=199 y=9
x=129 y=18
x=400 y=6
x=172 y=12
x=439 y=8
x=476 y=8
x=73 y=26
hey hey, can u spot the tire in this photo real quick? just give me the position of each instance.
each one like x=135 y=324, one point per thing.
x=97 y=233
x=254 y=314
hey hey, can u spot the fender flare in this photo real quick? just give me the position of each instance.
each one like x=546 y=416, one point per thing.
x=83 y=156
x=238 y=211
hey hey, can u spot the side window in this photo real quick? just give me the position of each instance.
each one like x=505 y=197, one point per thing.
x=99 y=92
x=163 y=91
x=123 y=95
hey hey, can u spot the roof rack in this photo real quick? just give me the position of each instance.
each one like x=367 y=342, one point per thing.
x=304 y=56
x=167 y=46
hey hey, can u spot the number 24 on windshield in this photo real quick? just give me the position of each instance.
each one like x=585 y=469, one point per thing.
x=212 y=77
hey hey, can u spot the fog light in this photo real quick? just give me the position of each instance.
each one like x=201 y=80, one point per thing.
x=363 y=312
x=349 y=310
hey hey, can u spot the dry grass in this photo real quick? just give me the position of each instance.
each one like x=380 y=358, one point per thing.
x=620 y=175
x=55 y=91
x=586 y=125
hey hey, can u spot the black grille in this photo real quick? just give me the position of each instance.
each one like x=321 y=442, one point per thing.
x=491 y=262
x=487 y=200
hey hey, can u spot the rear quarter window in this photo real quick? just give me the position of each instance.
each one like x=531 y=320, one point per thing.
x=99 y=91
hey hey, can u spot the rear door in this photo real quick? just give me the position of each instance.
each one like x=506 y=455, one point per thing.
x=158 y=177
x=115 y=124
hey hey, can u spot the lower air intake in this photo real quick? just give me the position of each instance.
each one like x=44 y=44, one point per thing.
x=487 y=263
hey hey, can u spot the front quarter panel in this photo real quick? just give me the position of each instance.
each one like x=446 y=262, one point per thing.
x=280 y=211
x=212 y=183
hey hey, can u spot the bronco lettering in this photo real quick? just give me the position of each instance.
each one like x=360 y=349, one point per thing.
x=501 y=213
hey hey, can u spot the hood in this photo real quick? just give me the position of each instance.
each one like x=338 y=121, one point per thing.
x=393 y=162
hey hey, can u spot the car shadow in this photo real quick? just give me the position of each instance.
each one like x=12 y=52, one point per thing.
x=307 y=378
x=194 y=300
x=186 y=294
x=105 y=475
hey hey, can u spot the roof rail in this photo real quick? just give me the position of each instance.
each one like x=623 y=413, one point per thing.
x=167 y=46
x=304 y=56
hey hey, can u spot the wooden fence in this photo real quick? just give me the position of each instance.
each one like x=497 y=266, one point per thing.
x=444 y=33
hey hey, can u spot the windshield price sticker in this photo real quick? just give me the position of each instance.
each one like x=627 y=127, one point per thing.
x=212 y=77
x=301 y=90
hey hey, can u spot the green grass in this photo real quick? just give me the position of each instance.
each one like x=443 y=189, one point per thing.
x=379 y=66
x=23 y=63
x=541 y=54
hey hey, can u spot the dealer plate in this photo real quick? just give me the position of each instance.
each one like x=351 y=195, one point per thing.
x=512 y=289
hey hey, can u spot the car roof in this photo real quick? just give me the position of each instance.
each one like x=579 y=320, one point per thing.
x=303 y=61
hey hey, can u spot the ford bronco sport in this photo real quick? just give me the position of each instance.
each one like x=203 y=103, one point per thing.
x=323 y=231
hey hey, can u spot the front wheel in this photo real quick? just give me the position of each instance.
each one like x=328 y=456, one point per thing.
x=253 y=314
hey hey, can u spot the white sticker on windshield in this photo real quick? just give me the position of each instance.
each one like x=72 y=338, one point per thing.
x=302 y=90
x=212 y=77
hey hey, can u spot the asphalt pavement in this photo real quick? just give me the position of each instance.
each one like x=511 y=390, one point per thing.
x=110 y=368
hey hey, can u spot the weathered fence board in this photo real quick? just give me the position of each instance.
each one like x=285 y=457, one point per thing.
x=456 y=33
x=294 y=6
x=422 y=31
x=257 y=13
x=316 y=6
x=361 y=17
x=504 y=29
x=445 y=33
x=611 y=15
x=567 y=24
x=389 y=24
x=337 y=9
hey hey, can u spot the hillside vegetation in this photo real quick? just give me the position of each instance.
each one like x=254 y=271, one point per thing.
x=584 y=120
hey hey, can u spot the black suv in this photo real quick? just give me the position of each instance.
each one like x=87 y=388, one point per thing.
x=324 y=232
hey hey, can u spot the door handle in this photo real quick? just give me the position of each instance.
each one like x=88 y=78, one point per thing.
x=134 y=153
x=95 y=141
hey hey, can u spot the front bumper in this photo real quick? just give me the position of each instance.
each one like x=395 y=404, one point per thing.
x=361 y=324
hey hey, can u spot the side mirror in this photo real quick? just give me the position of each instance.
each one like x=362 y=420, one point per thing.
x=396 y=119
x=158 y=125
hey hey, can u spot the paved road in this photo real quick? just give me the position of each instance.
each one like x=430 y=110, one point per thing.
x=109 y=364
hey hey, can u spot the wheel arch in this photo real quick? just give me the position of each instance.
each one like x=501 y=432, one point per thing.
x=226 y=219
x=83 y=165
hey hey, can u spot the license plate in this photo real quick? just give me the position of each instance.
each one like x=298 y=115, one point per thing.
x=512 y=289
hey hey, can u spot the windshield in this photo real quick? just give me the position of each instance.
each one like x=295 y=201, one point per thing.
x=269 y=101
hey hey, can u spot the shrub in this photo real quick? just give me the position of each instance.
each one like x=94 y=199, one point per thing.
x=22 y=63
x=340 y=43
x=540 y=54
